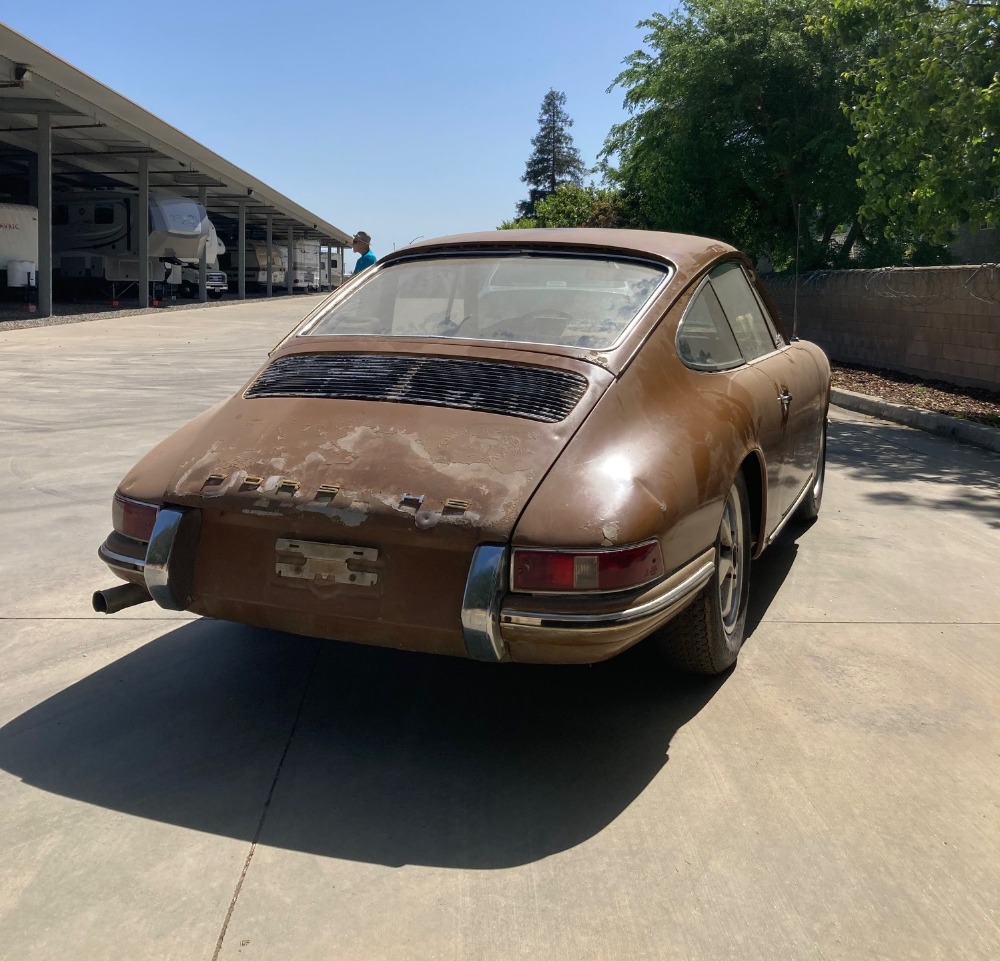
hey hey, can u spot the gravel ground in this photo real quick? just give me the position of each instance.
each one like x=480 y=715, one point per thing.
x=969 y=403
x=14 y=316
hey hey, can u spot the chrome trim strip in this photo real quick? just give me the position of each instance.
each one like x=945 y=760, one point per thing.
x=613 y=618
x=161 y=543
x=484 y=590
x=114 y=559
x=790 y=513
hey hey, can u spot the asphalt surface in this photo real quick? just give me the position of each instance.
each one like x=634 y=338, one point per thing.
x=175 y=787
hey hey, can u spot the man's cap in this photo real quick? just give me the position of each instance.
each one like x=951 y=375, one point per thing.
x=361 y=238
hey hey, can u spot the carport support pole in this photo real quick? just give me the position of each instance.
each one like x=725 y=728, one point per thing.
x=203 y=259
x=43 y=269
x=242 y=283
x=290 y=272
x=270 y=247
x=142 y=231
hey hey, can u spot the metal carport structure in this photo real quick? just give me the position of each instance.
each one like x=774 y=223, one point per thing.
x=61 y=129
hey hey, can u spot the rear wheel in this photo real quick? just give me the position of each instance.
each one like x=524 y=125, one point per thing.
x=706 y=637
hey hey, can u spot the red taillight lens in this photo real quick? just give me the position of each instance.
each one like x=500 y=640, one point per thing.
x=134 y=519
x=572 y=571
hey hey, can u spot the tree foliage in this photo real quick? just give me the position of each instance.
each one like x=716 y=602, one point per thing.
x=925 y=104
x=574 y=206
x=554 y=159
x=736 y=129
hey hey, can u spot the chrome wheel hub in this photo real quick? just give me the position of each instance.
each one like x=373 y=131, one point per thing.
x=731 y=561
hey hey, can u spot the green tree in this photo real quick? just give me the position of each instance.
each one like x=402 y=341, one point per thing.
x=736 y=130
x=554 y=159
x=574 y=206
x=925 y=105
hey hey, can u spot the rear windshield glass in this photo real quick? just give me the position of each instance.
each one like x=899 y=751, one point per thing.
x=566 y=301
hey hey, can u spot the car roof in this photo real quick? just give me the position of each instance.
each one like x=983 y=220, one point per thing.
x=685 y=251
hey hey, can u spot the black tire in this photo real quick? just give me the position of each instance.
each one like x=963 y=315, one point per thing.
x=809 y=508
x=706 y=637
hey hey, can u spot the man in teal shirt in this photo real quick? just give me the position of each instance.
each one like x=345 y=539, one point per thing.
x=361 y=244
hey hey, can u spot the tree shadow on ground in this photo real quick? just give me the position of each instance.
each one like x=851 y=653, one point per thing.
x=895 y=456
x=371 y=755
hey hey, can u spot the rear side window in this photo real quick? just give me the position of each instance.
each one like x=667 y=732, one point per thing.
x=704 y=340
x=752 y=327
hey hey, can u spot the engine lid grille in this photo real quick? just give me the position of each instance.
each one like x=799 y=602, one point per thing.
x=534 y=393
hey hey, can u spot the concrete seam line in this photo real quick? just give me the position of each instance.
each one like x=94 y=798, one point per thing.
x=263 y=813
x=981 y=435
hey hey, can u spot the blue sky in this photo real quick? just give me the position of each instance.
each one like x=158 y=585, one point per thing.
x=403 y=119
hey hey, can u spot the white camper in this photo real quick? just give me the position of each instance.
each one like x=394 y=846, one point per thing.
x=18 y=245
x=330 y=279
x=305 y=266
x=95 y=234
x=255 y=266
x=216 y=281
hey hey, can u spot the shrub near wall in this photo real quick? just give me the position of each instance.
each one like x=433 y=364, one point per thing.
x=940 y=323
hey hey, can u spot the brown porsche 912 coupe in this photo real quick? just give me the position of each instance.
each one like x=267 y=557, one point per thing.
x=533 y=446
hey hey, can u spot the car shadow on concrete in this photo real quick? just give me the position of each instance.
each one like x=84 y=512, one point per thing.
x=365 y=754
x=768 y=573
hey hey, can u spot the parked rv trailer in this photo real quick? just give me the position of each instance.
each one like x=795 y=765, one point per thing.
x=255 y=266
x=187 y=275
x=305 y=266
x=330 y=279
x=95 y=235
x=18 y=245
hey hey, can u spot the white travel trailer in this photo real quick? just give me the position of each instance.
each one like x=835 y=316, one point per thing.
x=95 y=234
x=305 y=266
x=255 y=266
x=186 y=274
x=18 y=245
x=332 y=279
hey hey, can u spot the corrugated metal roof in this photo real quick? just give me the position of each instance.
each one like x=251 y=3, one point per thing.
x=98 y=136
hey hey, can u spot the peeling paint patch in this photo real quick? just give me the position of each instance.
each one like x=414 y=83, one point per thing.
x=206 y=460
x=353 y=516
x=610 y=532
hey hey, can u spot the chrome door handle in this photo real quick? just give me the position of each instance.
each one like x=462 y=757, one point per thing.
x=785 y=399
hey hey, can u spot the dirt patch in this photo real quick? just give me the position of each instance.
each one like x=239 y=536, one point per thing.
x=969 y=403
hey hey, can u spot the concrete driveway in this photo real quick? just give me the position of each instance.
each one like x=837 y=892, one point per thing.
x=174 y=787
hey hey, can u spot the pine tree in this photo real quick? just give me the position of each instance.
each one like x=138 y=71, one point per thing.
x=554 y=160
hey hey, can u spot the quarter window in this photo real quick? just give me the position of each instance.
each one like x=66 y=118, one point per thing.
x=751 y=326
x=704 y=340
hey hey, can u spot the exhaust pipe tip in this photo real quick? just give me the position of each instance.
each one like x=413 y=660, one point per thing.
x=115 y=599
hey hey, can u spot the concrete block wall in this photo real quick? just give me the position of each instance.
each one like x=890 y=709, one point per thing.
x=940 y=323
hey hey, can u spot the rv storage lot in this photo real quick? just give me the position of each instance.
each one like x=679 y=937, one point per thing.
x=178 y=788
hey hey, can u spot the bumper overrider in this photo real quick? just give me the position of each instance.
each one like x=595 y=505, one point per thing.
x=497 y=624
x=160 y=570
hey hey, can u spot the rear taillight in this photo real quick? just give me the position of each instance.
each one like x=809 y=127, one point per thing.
x=564 y=572
x=134 y=519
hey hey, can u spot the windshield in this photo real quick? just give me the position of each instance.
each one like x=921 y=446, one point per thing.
x=566 y=301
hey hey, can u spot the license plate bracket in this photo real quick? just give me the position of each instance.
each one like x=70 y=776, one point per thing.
x=316 y=561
